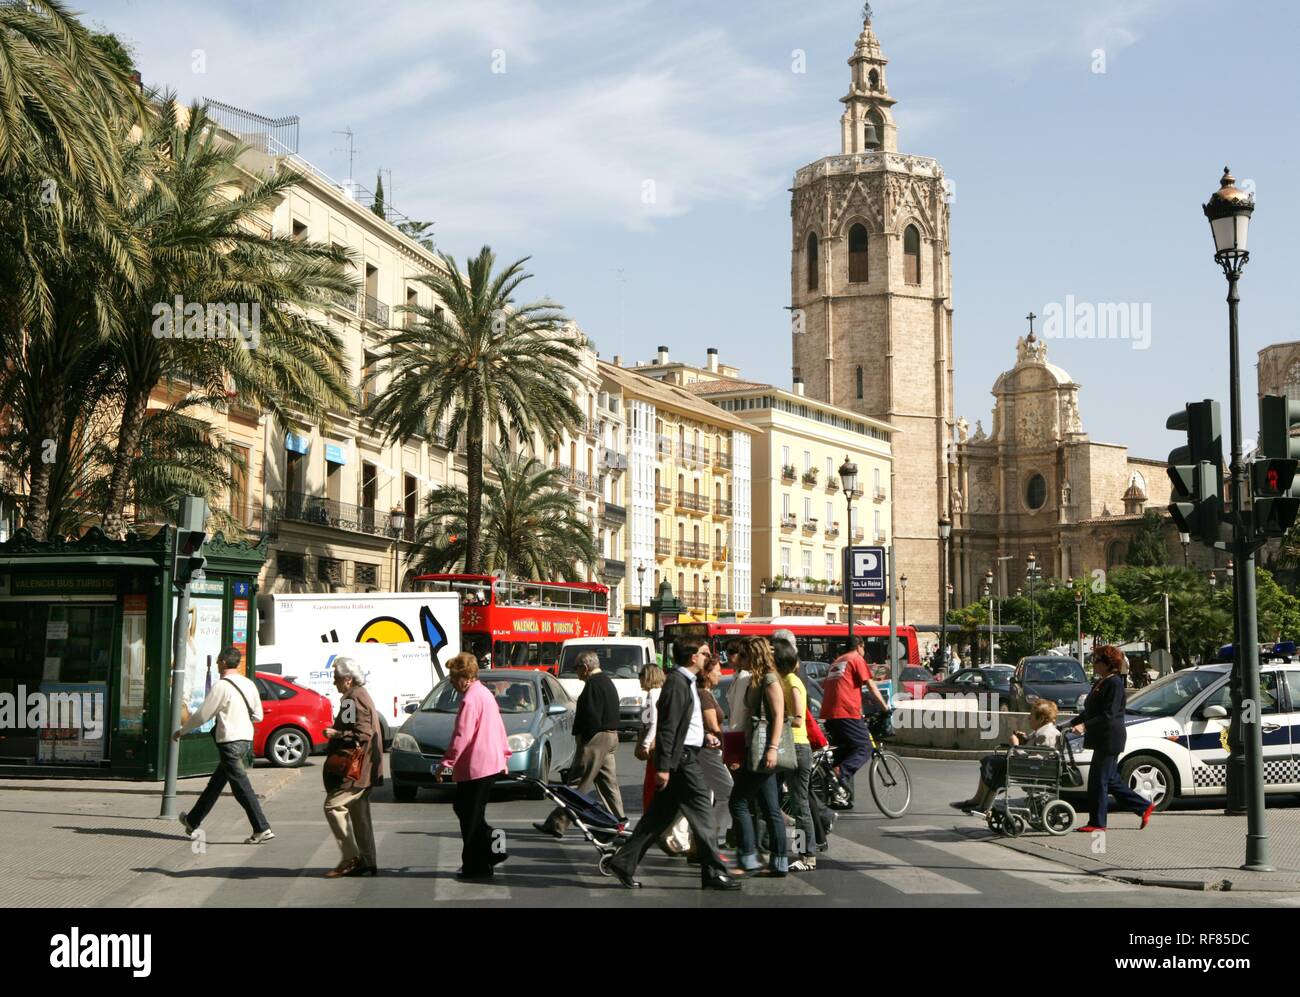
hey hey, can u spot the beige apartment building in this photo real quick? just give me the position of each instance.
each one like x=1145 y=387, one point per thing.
x=687 y=490
x=800 y=519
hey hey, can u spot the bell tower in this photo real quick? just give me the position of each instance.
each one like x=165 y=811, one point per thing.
x=870 y=298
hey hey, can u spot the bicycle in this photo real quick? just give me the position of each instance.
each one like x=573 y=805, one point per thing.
x=891 y=786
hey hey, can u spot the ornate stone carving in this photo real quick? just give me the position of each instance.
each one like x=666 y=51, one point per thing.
x=1031 y=349
x=963 y=430
x=979 y=432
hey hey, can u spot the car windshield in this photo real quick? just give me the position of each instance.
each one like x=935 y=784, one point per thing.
x=512 y=696
x=1059 y=672
x=1167 y=695
x=617 y=661
x=916 y=675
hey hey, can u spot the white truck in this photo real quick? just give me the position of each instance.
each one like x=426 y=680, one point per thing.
x=622 y=659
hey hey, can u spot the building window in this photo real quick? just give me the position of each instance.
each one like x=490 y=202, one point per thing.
x=828 y=515
x=875 y=523
x=299 y=232
x=807 y=510
x=812 y=261
x=785 y=503
x=366 y=576
x=829 y=564
x=858 y=254
x=239 y=472
x=1036 y=492
x=807 y=461
x=830 y=469
x=785 y=562
x=329 y=570
x=912 y=255
x=292 y=566
x=785 y=457
x=857 y=379
x=807 y=563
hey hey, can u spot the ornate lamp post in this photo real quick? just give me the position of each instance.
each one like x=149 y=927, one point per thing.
x=1186 y=540
x=396 y=526
x=640 y=592
x=945 y=531
x=1228 y=212
x=902 y=587
x=1032 y=576
x=1078 y=620
x=988 y=594
x=706 y=597
x=849 y=482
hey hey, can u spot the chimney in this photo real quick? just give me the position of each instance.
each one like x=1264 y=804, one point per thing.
x=618 y=360
x=798 y=386
x=712 y=362
x=663 y=356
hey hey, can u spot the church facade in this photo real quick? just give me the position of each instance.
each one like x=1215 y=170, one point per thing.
x=871 y=306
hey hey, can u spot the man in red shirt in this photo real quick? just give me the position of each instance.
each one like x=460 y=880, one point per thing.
x=842 y=712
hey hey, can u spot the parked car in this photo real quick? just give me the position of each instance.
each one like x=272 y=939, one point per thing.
x=538 y=716
x=622 y=659
x=915 y=680
x=1048 y=676
x=1177 y=731
x=294 y=719
x=987 y=679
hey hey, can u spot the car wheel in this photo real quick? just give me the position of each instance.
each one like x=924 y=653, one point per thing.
x=1150 y=777
x=288 y=748
x=403 y=793
x=543 y=773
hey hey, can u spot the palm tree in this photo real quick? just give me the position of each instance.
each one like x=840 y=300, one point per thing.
x=486 y=358
x=207 y=248
x=531 y=525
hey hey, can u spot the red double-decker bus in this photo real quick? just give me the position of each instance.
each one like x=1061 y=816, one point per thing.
x=519 y=624
x=816 y=641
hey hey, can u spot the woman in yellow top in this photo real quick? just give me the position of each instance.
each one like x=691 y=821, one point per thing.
x=799 y=782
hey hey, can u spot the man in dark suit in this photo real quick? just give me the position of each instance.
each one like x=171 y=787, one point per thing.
x=680 y=785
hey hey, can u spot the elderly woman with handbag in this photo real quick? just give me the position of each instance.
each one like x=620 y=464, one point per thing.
x=477 y=756
x=769 y=748
x=354 y=764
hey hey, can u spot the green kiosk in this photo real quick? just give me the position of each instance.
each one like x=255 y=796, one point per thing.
x=85 y=650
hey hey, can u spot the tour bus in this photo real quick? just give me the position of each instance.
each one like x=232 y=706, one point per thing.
x=814 y=641
x=521 y=624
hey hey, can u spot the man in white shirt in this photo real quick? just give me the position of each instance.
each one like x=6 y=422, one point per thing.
x=235 y=704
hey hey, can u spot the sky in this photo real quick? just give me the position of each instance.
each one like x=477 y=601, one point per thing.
x=641 y=151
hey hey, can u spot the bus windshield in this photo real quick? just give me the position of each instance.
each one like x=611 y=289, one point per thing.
x=616 y=661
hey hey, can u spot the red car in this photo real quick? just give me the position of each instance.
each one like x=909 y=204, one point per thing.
x=293 y=721
x=915 y=680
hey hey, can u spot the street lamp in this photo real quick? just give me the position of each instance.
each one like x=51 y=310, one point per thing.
x=706 y=597
x=1032 y=576
x=640 y=592
x=762 y=597
x=988 y=592
x=902 y=587
x=1186 y=539
x=1228 y=212
x=945 y=531
x=1078 y=619
x=849 y=482
x=397 y=524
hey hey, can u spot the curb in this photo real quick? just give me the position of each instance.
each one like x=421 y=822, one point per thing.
x=957 y=754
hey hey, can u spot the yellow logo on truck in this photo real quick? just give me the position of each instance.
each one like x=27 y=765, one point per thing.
x=384 y=630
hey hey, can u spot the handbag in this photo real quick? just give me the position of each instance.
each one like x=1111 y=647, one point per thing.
x=757 y=748
x=345 y=766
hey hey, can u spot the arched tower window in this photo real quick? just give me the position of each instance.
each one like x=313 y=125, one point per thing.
x=857 y=379
x=812 y=261
x=873 y=79
x=858 y=254
x=911 y=255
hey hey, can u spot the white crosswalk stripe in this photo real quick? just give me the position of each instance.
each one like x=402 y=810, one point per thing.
x=893 y=872
x=1042 y=872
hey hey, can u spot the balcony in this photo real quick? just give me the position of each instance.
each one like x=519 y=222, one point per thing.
x=788 y=473
x=692 y=551
x=723 y=507
x=832 y=485
x=376 y=311
x=878 y=495
x=722 y=459
x=858 y=534
x=579 y=479
x=613 y=460
x=663 y=446
x=803 y=586
x=720 y=554
x=833 y=531
x=788 y=521
x=615 y=515
x=880 y=538
x=663 y=497
x=693 y=501
x=694 y=454
x=613 y=569
x=810 y=526
x=663 y=547
x=316 y=510
x=343 y=300
x=810 y=477
x=590 y=427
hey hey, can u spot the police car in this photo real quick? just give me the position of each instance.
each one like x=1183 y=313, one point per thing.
x=1177 y=730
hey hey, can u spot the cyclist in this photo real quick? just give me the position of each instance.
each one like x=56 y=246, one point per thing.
x=842 y=712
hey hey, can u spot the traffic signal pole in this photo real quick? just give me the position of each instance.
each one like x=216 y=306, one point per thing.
x=177 y=700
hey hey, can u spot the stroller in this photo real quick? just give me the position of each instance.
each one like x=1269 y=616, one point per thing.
x=1039 y=772
x=604 y=830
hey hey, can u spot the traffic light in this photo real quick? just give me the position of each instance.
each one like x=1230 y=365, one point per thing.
x=1274 y=491
x=186 y=560
x=1196 y=471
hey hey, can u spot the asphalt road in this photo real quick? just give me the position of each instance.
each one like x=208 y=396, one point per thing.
x=921 y=860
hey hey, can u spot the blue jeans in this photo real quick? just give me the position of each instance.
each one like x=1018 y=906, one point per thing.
x=1103 y=780
x=756 y=793
x=230 y=769
x=798 y=783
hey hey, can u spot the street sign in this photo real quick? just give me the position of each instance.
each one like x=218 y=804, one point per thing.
x=866 y=574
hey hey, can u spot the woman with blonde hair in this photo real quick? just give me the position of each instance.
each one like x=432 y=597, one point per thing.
x=652 y=682
x=477 y=756
x=354 y=765
x=993 y=768
x=755 y=791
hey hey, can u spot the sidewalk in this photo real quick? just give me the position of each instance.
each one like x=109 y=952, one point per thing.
x=76 y=842
x=1187 y=849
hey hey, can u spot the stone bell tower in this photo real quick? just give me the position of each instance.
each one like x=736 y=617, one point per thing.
x=872 y=313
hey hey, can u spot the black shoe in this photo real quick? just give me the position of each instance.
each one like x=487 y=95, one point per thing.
x=719 y=882
x=363 y=870
x=625 y=878
x=477 y=875
x=546 y=828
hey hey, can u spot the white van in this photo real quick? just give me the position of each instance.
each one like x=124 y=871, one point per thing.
x=622 y=659
x=397 y=675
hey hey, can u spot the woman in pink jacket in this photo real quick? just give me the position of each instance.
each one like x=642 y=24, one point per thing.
x=476 y=758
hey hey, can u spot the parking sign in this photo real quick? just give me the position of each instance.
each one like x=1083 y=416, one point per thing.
x=866 y=572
